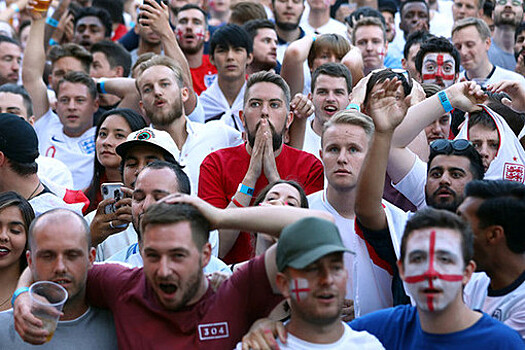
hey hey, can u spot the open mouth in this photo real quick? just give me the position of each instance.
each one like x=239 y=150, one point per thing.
x=168 y=288
x=428 y=291
x=4 y=251
x=62 y=281
x=330 y=109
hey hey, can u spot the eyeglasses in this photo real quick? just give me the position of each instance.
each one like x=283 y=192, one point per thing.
x=447 y=146
x=513 y=2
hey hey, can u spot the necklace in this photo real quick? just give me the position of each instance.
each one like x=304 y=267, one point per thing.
x=33 y=193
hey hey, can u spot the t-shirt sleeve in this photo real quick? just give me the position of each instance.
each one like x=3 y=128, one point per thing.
x=105 y=282
x=315 y=179
x=412 y=186
x=211 y=188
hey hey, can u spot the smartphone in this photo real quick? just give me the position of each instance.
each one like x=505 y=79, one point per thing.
x=111 y=190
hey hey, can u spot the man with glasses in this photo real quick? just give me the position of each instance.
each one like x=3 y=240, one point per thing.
x=507 y=16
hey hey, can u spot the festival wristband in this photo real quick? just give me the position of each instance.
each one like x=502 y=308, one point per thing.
x=17 y=293
x=101 y=88
x=354 y=106
x=52 y=22
x=236 y=202
x=245 y=189
x=445 y=101
x=52 y=42
x=15 y=7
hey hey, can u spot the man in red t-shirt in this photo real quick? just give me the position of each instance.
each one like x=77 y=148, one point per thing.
x=231 y=177
x=192 y=32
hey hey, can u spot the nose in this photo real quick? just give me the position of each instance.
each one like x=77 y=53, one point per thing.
x=325 y=276
x=164 y=269
x=3 y=235
x=71 y=104
x=445 y=179
x=369 y=46
x=15 y=66
x=60 y=266
x=148 y=201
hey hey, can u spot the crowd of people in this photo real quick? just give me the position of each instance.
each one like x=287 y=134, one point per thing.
x=271 y=174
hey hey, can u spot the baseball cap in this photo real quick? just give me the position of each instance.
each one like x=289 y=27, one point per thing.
x=157 y=138
x=18 y=140
x=387 y=5
x=306 y=241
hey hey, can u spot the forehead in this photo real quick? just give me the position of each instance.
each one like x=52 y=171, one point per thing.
x=365 y=32
x=10 y=48
x=8 y=99
x=77 y=89
x=156 y=73
x=285 y=189
x=163 y=180
x=100 y=56
x=451 y=161
x=473 y=3
x=266 y=32
x=190 y=14
x=328 y=81
x=479 y=131
x=68 y=63
x=446 y=239
x=168 y=236
x=469 y=208
x=433 y=56
x=265 y=91
x=59 y=232
x=467 y=33
x=341 y=134
x=415 y=7
x=89 y=21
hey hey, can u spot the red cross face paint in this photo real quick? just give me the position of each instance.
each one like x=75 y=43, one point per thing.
x=439 y=69
x=299 y=289
x=434 y=268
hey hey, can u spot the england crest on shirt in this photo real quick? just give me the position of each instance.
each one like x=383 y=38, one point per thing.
x=87 y=145
x=209 y=79
x=514 y=172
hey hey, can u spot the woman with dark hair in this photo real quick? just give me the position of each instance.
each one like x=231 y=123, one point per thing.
x=16 y=215
x=280 y=192
x=113 y=128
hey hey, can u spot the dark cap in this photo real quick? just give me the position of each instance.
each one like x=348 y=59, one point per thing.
x=18 y=140
x=387 y=5
x=306 y=241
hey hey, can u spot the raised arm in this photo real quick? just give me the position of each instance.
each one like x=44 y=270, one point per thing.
x=158 y=19
x=126 y=89
x=294 y=58
x=387 y=110
x=464 y=96
x=34 y=62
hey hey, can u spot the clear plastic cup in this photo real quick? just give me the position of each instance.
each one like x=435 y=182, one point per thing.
x=42 y=5
x=47 y=300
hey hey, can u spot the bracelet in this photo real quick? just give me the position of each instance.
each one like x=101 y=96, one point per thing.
x=445 y=102
x=17 y=293
x=354 y=106
x=15 y=7
x=52 y=22
x=245 y=189
x=53 y=42
x=100 y=87
x=236 y=202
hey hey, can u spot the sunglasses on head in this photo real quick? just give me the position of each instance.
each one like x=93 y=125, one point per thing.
x=447 y=146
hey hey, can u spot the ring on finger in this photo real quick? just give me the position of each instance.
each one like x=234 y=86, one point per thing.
x=111 y=224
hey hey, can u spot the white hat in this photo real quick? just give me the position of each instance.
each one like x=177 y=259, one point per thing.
x=157 y=138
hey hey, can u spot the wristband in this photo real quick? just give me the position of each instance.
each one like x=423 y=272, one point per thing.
x=15 y=7
x=100 y=87
x=245 y=189
x=445 y=101
x=236 y=202
x=52 y=22
x=353 y=106
x=17 y=293
x=52 y=42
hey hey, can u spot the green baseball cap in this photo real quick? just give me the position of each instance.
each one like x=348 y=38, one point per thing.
x=306 y=241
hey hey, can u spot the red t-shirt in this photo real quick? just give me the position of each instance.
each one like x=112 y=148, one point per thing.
x=204 y=75
x=222 y=171
x=217 y=321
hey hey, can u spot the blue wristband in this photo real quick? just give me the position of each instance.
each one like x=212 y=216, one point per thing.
x=15 y=7
x=100 y=87
x=17 y=293
x=52 y=42
x=445 y=101
x=52 y=22
x=245 y=189
x=354 y=106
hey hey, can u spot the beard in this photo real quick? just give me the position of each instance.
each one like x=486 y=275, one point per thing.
x=192 y=50
x=512 y=21
x=277 y=138
x=286 y=26
x=166 y=118
x=449 y=205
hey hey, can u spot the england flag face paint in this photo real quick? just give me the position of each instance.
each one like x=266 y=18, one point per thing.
x=299 y=289
x=439 y=68
x=434 y=268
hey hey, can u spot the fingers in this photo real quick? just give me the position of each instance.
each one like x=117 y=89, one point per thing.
x=177 y=198
x=281 y=332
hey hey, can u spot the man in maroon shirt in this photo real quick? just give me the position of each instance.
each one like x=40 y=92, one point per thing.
x=232 y=177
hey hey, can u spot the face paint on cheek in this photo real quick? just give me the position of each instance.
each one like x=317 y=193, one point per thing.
x=199 y=33
x=180 y=34
x=299 y=289
x=431 y=76
x=431 y=275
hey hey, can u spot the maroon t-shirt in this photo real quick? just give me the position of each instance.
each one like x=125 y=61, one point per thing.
x=222 y=171
x=217 y=321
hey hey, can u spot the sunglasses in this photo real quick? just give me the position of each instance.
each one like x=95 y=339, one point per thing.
x=447 y=146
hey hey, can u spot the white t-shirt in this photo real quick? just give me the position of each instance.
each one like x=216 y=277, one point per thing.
x=412 y=186
x=215 y=104
x=331 y=27
x=55 y=171
x=507 y=306
x=77 y=153
x=349 y=340
x=499 y=75
x=312 y=141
